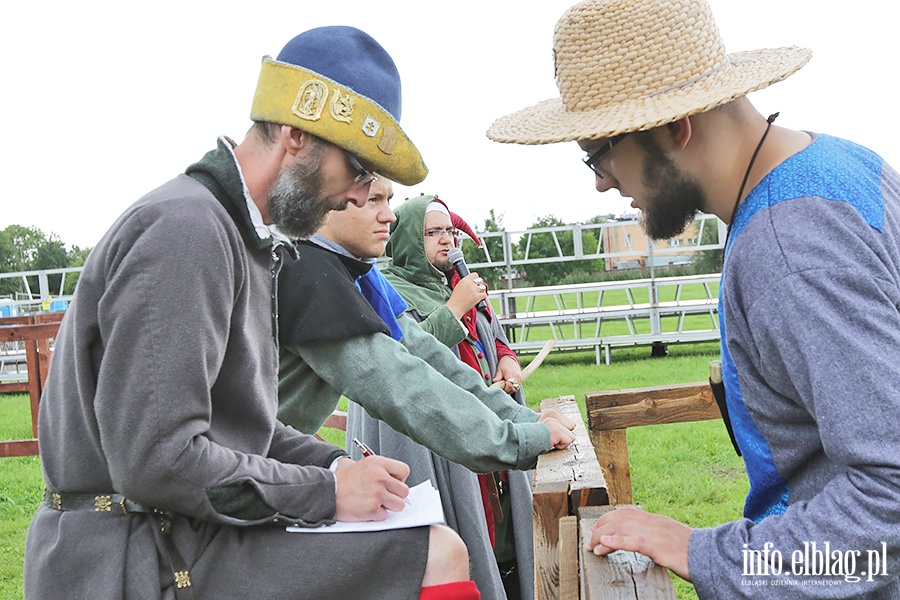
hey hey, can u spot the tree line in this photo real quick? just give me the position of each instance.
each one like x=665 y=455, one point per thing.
x=30 y=249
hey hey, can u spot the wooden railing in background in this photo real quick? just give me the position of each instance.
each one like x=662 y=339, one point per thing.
x=609 y=414
x=36 y=336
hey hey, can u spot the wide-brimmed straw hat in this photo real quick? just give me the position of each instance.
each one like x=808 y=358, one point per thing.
x=630 y=65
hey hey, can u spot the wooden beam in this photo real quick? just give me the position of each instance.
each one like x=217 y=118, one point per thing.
x=568 y=558
x=336 y=420
x=20 y=333
x=611 y=448
x=643 y=409
x=563 y=481
x=594 y=400
x=18 y=448
x=13 y=387
x=620 y=575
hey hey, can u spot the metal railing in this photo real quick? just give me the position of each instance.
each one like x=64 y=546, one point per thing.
x=568 y=243
x=647 y=311
x=45 y=298
x=601 y=316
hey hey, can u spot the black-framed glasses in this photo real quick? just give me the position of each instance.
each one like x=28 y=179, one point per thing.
x=592 y=160
x=364 y=177
x=439 y=233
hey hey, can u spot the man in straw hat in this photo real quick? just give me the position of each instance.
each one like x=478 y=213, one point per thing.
x=808 y=302
x=167 y=473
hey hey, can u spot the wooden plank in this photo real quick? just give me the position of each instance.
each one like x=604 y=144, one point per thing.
x=13 y=387
x=550 y=503
x=37 y=358
x=594 y=400
x=21 y=320
x=21 y=333
x=611 y=448
x=337 y=420
x=563 y=479
x=34 y=380
x=653 y=411
x=18 y=448
x=568 y=558
x=620 y=575
x=54 y=317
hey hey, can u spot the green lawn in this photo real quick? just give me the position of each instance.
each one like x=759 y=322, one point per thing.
x=688 y=471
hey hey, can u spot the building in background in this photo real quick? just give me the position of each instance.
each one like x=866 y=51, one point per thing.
x=628 y=243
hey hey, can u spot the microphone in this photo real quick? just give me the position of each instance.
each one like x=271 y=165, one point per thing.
x=455 y=256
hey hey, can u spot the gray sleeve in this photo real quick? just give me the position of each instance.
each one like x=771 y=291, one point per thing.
x=825 y=338
x=160 y=449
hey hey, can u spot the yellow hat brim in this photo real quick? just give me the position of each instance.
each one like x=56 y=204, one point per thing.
x=290 y=95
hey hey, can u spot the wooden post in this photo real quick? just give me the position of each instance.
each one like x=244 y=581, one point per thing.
x=563 y=481
x=620 y=575
x=569 y=578
x=611 y=413
x=611 y=448
x=37 y=355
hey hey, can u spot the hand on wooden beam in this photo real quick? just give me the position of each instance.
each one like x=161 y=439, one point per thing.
x=661 y=538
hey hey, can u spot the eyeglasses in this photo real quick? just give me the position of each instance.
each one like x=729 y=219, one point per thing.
x=439 y=233
x=364 y=177
x=592 y=160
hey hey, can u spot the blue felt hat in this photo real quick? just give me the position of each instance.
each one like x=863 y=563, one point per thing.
x=339 y=84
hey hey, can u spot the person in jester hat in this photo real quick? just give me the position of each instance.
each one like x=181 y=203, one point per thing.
x=445 y=306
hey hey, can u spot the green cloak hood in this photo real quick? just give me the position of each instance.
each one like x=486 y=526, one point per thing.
x=422 y=285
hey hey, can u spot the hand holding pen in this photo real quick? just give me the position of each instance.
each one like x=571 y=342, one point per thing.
x=366 y=451
x=368 y=488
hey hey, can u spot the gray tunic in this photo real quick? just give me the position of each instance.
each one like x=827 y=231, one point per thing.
x=459 y=488
x=810 y=308
x=163 y=388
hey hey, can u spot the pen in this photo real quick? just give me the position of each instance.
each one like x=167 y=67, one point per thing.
x=366 y=451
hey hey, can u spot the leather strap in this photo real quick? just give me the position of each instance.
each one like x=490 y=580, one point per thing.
x=116 y=503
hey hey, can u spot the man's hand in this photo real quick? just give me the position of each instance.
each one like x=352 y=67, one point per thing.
x=560 y=435
x=343 y=463
x=368 y=488
x=468 y=292
x=552 y=413
x=663 y=539
x=510 y=373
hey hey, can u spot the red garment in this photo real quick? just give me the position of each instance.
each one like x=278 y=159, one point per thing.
x=458 y=590
x=467 y=353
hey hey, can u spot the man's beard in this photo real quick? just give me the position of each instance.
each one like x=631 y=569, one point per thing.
x=294 y=201
x=442 y=264
x=673 y=197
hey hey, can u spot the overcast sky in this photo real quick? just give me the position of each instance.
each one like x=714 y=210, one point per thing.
x=103 y=101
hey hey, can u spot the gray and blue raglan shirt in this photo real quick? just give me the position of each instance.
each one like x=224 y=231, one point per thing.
x=810 y=316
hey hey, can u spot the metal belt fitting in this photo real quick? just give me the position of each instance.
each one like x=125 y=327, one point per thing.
x=106 y=503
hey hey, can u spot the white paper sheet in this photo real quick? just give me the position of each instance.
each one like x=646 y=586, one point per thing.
x=424 y=508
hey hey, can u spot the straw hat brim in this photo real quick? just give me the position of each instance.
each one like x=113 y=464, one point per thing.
x=549 y=122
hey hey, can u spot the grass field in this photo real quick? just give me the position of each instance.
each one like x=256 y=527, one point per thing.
x=688 y=471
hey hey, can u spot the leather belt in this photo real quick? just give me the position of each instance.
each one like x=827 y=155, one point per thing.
x=113 y=503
